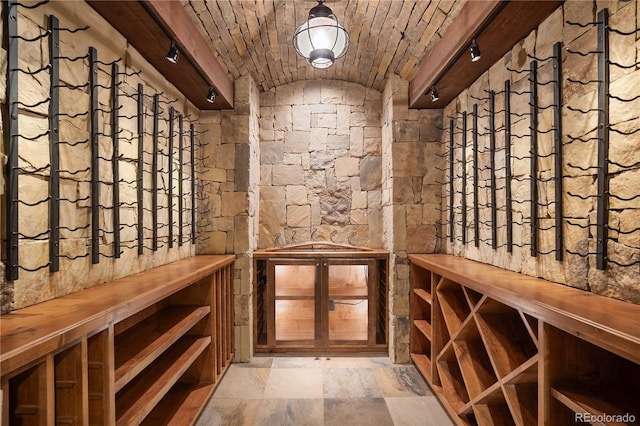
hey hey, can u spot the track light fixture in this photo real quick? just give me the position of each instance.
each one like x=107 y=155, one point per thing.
x=211 y=96
x=434 y=94
x=172 y=55
x=474 y=52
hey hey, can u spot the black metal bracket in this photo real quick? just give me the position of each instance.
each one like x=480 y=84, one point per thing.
x=464 y=178
x=154 y=172
x=180 y=177
x=193 y=182
x=507 y=161
x=12 y=140
x=170 y=155
x=492 y=165
x=557 y=142
x=115 y=160
x=476 y=207
x=95 y=163
x=533 y=127
x=54 y=140
x=140 y=171
x=603 y=140
x=451 y=156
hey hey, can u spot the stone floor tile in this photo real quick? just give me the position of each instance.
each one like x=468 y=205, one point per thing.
x=246 y=383
x=356 y=362
x=297 y=362
x=256 y=362
x=294 y=383
x=356 y=412
x=289 y=391
x=401 y=381
x=350 y=383
x=230 y=412
x=417 y=411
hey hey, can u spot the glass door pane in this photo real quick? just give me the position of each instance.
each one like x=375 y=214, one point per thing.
x=295 y=289
x=348 y=301
x=295 y=320
x=295 y=280
x=348 y=280
x=349 y=319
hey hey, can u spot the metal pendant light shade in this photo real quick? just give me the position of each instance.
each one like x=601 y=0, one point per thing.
x=321 y=40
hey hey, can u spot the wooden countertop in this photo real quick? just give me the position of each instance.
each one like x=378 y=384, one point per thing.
x=612 y=323
x=41 y=328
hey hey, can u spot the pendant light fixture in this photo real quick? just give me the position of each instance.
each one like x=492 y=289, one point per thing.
x=321 y=40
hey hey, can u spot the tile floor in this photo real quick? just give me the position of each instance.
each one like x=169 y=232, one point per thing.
x=341 y=391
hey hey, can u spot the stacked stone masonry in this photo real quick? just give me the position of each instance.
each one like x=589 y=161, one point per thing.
x=76 y=270
x=320 y=164
x=579 y=158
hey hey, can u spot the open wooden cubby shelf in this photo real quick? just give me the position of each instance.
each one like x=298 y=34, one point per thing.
x=501 y=348
x=145 y=349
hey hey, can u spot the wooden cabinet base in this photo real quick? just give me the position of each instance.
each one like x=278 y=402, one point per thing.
x=498 y=347
x=145 y=349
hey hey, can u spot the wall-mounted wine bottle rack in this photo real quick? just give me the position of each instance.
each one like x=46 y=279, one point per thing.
x=172 y=173
x=485 y=110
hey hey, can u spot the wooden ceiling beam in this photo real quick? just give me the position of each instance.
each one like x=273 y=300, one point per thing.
x=496 y=24
x=150 y=25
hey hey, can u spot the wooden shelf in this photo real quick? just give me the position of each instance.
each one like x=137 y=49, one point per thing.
x=522 y=400
x=421 y=344
x=526 y=373
x=69 y=386
x=453 y=304
x=108 y=355
x=422 y=294
x=140 y=397
x=510 y=349
x=424 y=327
x=473 y=297
x=506 y=339
x=475 y=366
x=532 y=326
x=138 y=347
x=497 y=414
x=453 y=385
x=181 y=405
x=490 y=396
x=599 y=400
x=423 y=363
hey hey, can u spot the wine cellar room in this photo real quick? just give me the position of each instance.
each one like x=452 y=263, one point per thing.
x=427 y=211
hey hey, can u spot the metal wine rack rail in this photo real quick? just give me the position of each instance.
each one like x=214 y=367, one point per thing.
x=172 y=175
x=458 y=169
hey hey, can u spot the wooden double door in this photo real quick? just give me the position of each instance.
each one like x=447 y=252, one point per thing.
x=321 y=303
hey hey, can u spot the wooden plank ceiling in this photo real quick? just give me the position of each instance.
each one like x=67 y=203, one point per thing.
x=386 y=36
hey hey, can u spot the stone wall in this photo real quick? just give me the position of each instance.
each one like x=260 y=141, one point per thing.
x=579 y=158
x=320 y=164
x=76 y=271
x=229 y=202
x=411 y=179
